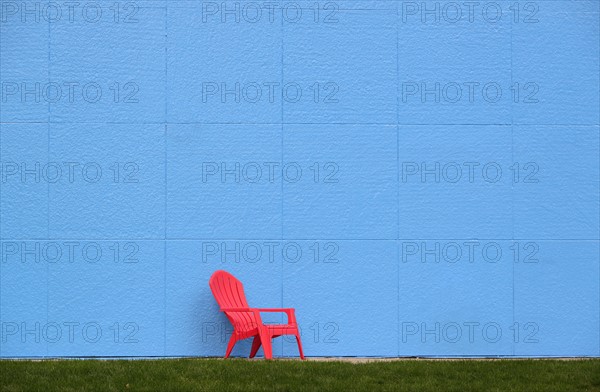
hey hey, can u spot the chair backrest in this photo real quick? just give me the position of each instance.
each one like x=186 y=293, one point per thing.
x=229 y=293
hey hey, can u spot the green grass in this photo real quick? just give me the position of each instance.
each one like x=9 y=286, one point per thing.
x=278 y=375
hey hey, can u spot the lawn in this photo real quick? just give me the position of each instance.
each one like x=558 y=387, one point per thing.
x=284 y=375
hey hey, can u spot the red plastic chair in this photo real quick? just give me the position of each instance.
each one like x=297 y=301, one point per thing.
x=246 y=321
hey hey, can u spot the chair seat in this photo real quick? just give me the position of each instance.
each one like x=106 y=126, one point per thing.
x=274 y=329
x=291 y=328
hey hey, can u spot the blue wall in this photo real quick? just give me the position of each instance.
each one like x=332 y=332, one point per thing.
x=415 y=178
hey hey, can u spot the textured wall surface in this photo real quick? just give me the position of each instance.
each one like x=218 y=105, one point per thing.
x=415 y=178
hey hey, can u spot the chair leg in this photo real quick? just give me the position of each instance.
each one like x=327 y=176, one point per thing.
x=265 y=339
x=299 y=345
x=255 y=346
x=230 y=345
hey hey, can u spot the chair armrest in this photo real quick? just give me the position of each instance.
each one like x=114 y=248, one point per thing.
x=284 y=310
x=290 y=312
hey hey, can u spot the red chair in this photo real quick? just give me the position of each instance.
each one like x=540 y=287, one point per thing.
x=246 y=321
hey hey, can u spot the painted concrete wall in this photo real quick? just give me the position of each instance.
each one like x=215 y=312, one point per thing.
x=414 y=178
